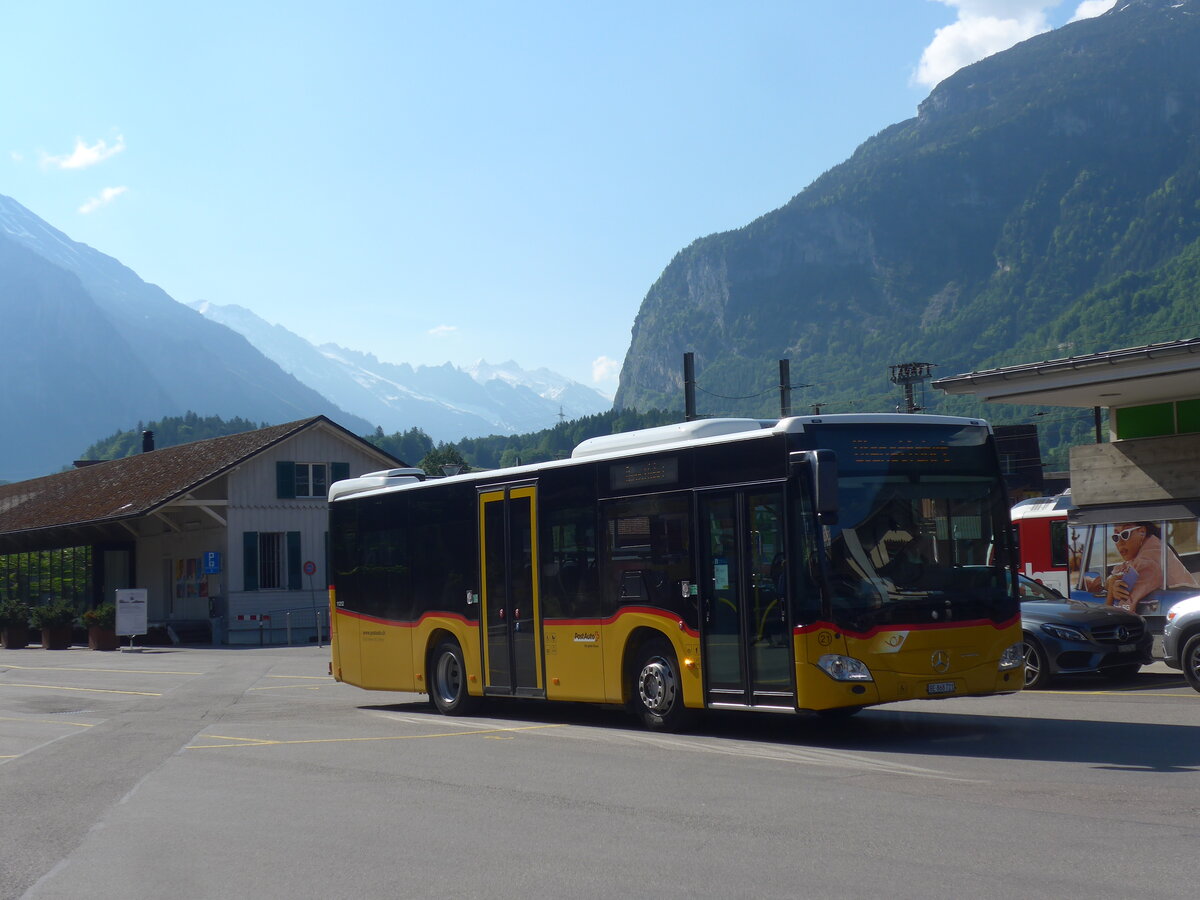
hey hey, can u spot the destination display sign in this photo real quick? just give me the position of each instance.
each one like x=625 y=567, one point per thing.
x=870 y=452
x=643 y=473
x=939 y=448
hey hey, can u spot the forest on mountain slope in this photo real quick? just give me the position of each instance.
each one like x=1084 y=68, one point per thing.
x=413 y=446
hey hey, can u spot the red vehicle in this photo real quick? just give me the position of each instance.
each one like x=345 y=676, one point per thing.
x=1041 y=532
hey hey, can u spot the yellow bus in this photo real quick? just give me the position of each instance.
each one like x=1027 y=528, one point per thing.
x=815 y=564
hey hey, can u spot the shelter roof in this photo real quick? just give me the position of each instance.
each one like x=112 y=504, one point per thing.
x=1155 y=373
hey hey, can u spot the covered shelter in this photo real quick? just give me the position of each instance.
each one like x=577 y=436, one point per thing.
x=1145 y=464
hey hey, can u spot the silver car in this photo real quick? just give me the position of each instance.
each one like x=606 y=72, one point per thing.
x=1068 y=637
x=1181 y=639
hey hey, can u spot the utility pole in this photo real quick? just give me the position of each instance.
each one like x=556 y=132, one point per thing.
x=785 y=388
x=906 y=375
x=689 y=387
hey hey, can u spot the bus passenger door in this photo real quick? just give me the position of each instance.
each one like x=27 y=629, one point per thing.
x=745 y=629
x=512 y=623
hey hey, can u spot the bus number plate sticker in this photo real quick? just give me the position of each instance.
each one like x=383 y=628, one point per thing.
x=940 y=687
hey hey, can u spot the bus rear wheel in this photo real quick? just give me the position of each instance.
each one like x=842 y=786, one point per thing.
x=657 y=695
x=448 y=681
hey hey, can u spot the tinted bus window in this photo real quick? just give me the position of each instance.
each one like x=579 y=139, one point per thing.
x=569 y=549
x=649 y=556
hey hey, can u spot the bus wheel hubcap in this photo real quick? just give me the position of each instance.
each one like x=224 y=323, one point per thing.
x=448 y=677
x=656 y=686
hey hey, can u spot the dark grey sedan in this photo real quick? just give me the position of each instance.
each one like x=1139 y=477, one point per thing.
x=1068 y=637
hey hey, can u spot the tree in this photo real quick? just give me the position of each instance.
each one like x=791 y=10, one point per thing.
x=443 y=455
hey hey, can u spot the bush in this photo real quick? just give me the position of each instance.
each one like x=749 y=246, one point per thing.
x=54 y=614
x=13 y=613
x=103 y=616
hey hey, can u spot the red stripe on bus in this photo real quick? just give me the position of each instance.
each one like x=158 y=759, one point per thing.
x=398 y=624
x=644 y=610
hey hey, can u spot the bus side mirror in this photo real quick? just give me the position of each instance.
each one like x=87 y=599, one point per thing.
x=822 y=464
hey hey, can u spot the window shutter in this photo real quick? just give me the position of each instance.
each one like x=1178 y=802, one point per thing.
x=338 y=471
x=293 y=561
x=285 y=480
x=250 y=560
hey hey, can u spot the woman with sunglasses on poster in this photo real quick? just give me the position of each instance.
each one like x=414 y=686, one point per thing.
x=1141 y=568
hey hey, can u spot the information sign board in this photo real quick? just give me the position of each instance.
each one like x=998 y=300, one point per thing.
x=131 y=611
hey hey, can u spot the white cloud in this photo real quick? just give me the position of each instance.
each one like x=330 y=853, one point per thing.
x=1089 y=9
x=443 y=330
x=107 y=196
x=84 y=156
x=605 y=370
x=16 y=156
x=984 y=27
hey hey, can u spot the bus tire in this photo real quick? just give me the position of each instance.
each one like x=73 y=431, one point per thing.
x=656 y=694
x=1037 y=666
x=448 y=681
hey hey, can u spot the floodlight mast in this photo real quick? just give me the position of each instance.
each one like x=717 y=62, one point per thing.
x=908 y=374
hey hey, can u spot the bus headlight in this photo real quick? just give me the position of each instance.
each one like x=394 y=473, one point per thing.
x=1013 y=657
x=844 y=668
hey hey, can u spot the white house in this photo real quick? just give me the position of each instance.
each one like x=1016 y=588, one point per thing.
x=229 y=533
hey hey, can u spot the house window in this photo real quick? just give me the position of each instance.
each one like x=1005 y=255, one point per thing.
x=311 y=480
x=272 y=560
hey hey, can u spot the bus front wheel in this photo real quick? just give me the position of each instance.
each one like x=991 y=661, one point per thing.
x=657 y=695
x=448 y=681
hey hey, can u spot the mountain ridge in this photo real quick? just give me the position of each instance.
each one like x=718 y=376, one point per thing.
x=446 y=401
x=101 y=348
x=968 y=236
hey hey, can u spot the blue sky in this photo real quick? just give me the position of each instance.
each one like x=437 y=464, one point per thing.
x=450 y=182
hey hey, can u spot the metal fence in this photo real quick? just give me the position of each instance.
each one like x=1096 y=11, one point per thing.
x=298 y=625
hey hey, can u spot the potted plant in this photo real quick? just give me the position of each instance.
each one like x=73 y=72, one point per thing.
x=14 y=624
x=55 y=619
x=101 y=625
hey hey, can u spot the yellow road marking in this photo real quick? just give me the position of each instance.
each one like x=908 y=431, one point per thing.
x=258 y=742
x=53 y=687
x=314 y=677
x=84 y=669
x=45 y=721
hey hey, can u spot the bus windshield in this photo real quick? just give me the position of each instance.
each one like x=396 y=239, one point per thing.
x=915 y=548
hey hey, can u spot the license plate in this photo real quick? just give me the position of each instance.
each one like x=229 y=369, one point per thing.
x=1127 y=648
x=940 y=687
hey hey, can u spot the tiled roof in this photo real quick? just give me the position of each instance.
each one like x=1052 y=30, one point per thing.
x=135 y=485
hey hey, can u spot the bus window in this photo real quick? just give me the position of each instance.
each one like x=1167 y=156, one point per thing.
x=648 y=554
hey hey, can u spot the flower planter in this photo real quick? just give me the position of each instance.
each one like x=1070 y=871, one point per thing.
x=14 y=637
x=102 y=638
x=56 y=637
